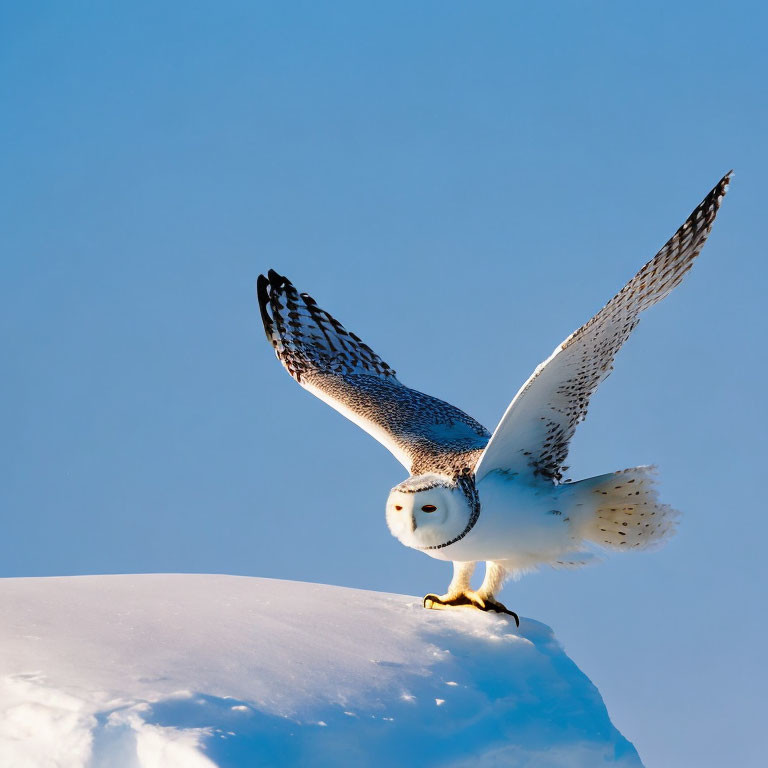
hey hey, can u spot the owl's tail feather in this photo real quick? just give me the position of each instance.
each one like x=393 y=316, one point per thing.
x=621 y=510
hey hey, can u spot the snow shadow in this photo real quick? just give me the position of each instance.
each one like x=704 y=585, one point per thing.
x=491 y=695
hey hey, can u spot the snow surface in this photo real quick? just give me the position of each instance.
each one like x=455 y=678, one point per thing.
x=190 y=671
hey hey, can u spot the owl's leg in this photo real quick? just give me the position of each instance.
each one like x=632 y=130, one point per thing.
x=494 y=578
x=461 y=595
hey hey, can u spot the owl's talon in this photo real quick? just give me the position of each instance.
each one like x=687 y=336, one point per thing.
x=461 y=600
x=468 y=599
x=456 y=601
x=501 y=608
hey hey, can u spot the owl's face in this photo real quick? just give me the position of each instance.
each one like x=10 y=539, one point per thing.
x=426 y=518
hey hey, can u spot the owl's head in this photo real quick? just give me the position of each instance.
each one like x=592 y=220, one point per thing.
x=427 y=510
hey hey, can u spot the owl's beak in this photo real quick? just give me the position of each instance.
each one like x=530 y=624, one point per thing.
x=413 y=522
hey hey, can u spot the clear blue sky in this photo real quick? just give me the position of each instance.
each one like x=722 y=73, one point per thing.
x=462 y=185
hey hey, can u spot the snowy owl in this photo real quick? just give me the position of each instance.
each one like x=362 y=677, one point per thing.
x=500 y=498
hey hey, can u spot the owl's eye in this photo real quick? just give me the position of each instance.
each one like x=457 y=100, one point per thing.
x=428 y=508
x=398 y=507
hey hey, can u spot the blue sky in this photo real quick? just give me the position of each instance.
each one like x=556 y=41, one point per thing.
x=460 y=184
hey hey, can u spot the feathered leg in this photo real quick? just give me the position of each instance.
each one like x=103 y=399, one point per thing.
x=494 y=578
x=459 y=590
x=461 y=595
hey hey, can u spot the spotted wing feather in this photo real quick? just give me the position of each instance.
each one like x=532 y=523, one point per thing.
x=534 y=434
x=425 y=434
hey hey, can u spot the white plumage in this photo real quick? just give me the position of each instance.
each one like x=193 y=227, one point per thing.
x=498 y=498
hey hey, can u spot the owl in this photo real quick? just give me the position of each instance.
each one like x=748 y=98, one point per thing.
x=499 y=497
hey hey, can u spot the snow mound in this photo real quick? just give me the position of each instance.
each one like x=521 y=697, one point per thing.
x=187 y=671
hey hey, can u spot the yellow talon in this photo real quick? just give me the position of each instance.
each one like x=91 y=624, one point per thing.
x=467 y=599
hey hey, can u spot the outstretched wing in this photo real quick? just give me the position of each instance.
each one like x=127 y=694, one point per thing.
x=534 y=433
x=424 y=434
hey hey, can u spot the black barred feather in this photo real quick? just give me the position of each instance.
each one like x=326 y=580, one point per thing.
x=426 y=434
x=535 y=432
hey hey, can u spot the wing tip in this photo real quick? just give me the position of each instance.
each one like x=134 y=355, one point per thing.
x=276 y=280
x=703 y=215
x=720 y=189
x=263 y=293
